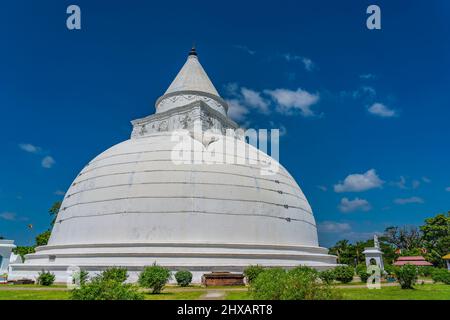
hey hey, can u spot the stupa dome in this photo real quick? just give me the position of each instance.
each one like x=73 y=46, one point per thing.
x=137 y=203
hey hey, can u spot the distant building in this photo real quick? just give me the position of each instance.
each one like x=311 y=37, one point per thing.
x=447 y=259
x=7 y=257
x=413 y=260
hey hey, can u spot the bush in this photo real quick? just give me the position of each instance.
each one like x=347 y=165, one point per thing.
x=183 y=278
x=269 y=284
x=344 y=274
x=361 y=271
x=426 y=271
x=389 y=270
x=441 y=275
x=45 y=278
x=80 y=277
x=105 y=287
x=154 y=277
x=116 y=274
x=406 y=276
x=327 y=276
x=301 y=283
x=252 y=272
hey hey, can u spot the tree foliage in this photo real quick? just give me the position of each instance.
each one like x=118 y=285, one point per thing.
x=406 y=276
x=183 y=277
x=436 y=238
x=252 y=272
x=45 y=278
x=154 y=277
x=301 y=283
x=107 y=286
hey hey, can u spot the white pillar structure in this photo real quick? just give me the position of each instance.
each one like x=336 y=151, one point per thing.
x=6 y=247
x=374 y=255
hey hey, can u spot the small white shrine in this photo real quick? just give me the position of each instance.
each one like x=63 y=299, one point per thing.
x=7 y=257
x=374 y=255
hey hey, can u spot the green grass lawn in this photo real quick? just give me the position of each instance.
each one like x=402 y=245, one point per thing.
x=421 y=292
x=179 y=295
x=238 y=295
x=34 y=295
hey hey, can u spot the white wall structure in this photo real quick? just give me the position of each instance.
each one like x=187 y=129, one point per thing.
x=6 y=247
x=133 y=205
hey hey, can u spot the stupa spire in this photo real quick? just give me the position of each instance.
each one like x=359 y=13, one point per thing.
x=192 y=77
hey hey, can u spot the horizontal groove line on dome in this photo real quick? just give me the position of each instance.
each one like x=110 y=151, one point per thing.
x=187 y=197
x=150 y=151
x=185 y=211
x=189 y=171
x=187 y=182
x=166 y=160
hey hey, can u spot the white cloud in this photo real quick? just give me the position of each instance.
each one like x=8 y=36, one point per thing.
x=307 y=62
x=253 y=99
x=59 y=193
x=381 y=110
x=289 y=100
x=367 y=76
x=356 y=204
x=236 y=110
x=28 y=147
x=245 y=49
x=359 y=182
x=364 y=92
x=415 y=184
x=426 y=179
x=48 y=162
x=10 y=216
x=401 y=183
x=334 y=227
x=408 y=200
x=323 y=188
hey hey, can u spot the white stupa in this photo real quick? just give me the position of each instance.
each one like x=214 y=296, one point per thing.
x=132 y=205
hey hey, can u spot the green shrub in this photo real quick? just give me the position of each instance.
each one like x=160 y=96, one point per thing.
x=327 y=276
x=426 y=271
x=252 y=272
x=406 y=276
x=116 y=274
x=344 y=274
x=441 y=275
x=301 y=283
x=154 y=277
x=269 y=285
x=80 y=277
x=361 y=271
x=183 y=278
x=106 y=288
x=45 y=278
x=389 y=269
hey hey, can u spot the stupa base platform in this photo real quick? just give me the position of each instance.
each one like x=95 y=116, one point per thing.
x=199 y=258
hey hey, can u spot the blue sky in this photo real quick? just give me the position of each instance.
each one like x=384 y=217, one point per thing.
x=365 y=114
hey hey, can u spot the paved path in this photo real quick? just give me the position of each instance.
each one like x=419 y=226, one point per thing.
x=213 y=295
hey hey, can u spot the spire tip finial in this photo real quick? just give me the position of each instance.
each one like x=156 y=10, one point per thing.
x=193 y=51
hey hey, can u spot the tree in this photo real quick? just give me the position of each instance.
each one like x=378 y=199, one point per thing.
x=54 y=211
x=23 y=250
x=344 y=251
x=2 y=237
x=42 y=239
x=154 y=277
x=405 y=238
x=436 y=238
